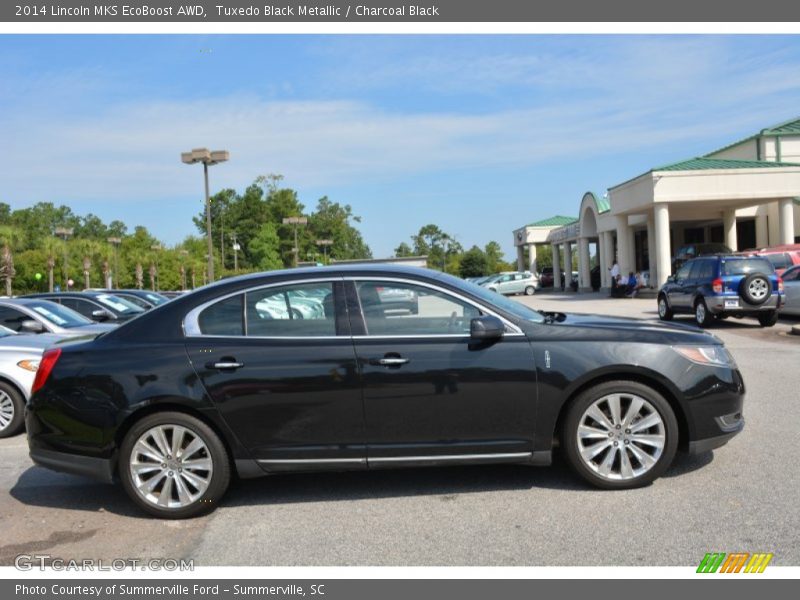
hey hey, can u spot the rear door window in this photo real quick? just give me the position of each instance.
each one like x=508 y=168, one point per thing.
x=745 y=266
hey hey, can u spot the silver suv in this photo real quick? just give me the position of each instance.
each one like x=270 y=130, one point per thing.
x=514 y=283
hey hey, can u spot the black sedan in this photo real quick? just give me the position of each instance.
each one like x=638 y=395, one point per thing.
x=307 y=370
x=101 y=307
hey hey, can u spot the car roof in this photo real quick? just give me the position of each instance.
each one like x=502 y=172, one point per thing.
x=25 y=300
x=82 y=294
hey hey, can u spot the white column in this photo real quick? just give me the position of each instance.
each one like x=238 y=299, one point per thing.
x=762 y=230
x=729 y=227
x=556 y=266
x=584 y=269
x=567 y=266
x=651 y=249
x=786 y=221
x=602 y=259
x=532 y=258
x=520 y=258
x=610 y=256
x=624 y=251
x=663 y=258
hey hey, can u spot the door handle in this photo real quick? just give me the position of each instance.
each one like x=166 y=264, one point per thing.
x=224 y=365
x=392 y=361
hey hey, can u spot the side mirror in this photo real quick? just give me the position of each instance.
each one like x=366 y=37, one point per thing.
x=100 y=315
x=671 y=279
x=32 y=326
x=486 y=328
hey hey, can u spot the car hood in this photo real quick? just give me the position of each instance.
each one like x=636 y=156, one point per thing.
x=629 y=329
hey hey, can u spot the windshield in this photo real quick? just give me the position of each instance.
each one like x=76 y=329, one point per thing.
x=119 y=305
x=59 y=315
x=745 y=266
x=155 y=299
x=494 y=299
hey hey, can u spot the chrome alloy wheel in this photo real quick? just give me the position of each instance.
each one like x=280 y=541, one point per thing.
x=662 y=307
x=700 y=312
x=170 y=466
x=621 y=436
x=6 y=410
x=758 y=289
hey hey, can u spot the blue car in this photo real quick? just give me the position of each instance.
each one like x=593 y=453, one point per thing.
x=721 y=286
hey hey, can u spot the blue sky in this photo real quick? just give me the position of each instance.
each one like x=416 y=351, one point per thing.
x=478 y=134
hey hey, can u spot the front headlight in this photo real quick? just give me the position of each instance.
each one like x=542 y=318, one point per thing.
x=715 y=356
x=29 y=365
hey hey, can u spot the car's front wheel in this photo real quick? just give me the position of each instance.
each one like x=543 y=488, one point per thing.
x=12 y=406
x=664 y=311
x=174 y=466
x=530 y=290
x=620 y=435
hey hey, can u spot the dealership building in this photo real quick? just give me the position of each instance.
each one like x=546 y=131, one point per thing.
x=745 y=195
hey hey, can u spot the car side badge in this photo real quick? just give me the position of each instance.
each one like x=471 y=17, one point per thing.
x=547 y=359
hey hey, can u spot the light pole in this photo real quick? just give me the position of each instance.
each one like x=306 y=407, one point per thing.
x=325 y=244
x=156 y=248
x=236 y=248
x=295 y=221
x=184 y=254
x=114 y=241
x=64 y=233
x=208 y=158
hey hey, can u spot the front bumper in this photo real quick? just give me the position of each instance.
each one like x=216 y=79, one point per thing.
x=74 y=464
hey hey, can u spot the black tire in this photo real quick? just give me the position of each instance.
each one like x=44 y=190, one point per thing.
x=530 y=290
x=221 y=474
x=15 y=403
x=702 y=316
x=768 y=318
x=583 y=401
x=753 y=282
x=665 y=313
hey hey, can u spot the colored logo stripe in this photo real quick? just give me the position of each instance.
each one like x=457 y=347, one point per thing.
x=735 y=562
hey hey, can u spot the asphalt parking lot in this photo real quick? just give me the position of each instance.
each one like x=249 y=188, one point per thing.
x=742 y=497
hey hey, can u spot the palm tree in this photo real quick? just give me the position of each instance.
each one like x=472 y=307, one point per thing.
x=87 y=268
x=50 y=246
x=7 y=270
x=139 y=275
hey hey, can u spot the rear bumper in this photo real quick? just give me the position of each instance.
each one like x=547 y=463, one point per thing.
x=74 y=464
x=723 y=304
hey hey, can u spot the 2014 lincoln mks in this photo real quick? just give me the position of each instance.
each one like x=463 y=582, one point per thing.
x=318 y=369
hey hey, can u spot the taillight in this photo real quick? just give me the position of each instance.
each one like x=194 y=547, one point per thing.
x=780 y=284
x=716 y=286
x=46 y=365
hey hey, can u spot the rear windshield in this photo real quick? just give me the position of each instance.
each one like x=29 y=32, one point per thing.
x=59 y=315
x=745 y=266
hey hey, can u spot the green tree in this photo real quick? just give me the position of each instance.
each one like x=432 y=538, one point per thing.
x=265 y=248
x=474 y=263
x=331 y=221
x=403 y=250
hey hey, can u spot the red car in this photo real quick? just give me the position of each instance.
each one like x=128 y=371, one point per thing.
x=781 y=257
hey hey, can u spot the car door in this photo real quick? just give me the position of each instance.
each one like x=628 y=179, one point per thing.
x=283 y=373
x=85 y=307
x=791 y=286
x=13 y=318
x=505 y=283
x=679 y=292
x=431 y=392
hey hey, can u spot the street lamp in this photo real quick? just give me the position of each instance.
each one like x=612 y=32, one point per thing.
x=324 y=244
x=208 y=158
x=114 y=241
x=295 y=221
x=64 y=233
x=236 y=247
x=156 y=248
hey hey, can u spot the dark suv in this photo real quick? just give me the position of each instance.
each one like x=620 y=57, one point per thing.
x=721 y=286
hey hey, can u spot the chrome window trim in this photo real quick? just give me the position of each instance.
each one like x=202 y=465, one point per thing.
x=514 y=329
x=191 y=326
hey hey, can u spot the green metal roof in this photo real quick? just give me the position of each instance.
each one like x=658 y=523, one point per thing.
x=603 y=205
x=702 y=163
x=787 y=127
x=556 y=221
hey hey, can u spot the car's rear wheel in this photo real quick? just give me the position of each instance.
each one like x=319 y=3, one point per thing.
x=664 y=311
x=174 y=466
x=702 y=316
x=530 y=290
x=768 y=318
x=620 y=435
x=12 y=407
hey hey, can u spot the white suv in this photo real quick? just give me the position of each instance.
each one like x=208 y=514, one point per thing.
x=514 y=283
